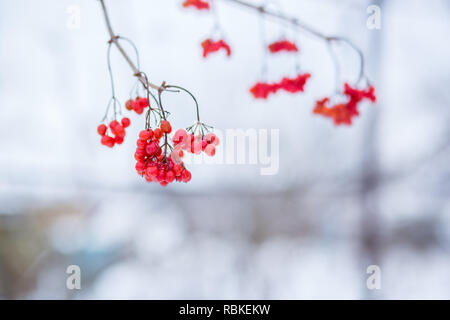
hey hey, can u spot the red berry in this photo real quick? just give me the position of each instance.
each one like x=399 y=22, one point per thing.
x=129 y=105
x=113 y=124
x=152 y=171
x=119 y=131
x=170 y=176
x=143 y=102
x=144 y=135
x=101 y=129
x=126 y=122
x=165 y=126
x=178 y=169
x=108 y=141
x=210 y=150
x=141 y=144
x=212 y=138
x=186 y=176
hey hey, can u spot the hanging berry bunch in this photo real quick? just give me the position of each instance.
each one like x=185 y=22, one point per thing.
x=262 y=90
x=117 y=129
x=210 y=46
x=344 y=112
x=282 y=46
x=197 y=4
x=158 y=159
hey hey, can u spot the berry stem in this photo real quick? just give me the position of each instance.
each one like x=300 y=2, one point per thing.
x=114 y=39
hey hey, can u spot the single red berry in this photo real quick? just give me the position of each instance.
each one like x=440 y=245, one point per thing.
x=126 y=122
x=210 y=150
x=186 y=176
x=151 y=149
x=108 y=141
x=170 y=176
x=204 y=144
x=119 y=131
x=152 y=171
x=143 y=102
x=101 y=129
x=178 y=169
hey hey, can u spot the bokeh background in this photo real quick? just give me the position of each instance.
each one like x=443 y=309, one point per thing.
x=375 y=193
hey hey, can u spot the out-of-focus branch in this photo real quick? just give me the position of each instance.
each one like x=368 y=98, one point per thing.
x=115 y=40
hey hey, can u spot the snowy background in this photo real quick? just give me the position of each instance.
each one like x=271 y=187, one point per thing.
x=344 y=197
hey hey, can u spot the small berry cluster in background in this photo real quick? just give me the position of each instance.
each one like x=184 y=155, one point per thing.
x=198 y=4
x=117 y=129
x=195 y=144
x=262 y=90
x=343 y=113
x=210 y=46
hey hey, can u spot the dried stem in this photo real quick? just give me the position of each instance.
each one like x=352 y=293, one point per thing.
x=115 y=40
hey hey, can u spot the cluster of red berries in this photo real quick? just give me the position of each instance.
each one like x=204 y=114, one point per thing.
x=138 y=104
x=283 y=45
x=262 y=90
x=198 y=4
x=195 y=144
x=343 y=113
x=117 y=129
x=210 y=46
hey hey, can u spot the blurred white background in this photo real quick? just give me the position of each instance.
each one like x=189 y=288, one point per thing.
x=344 y=198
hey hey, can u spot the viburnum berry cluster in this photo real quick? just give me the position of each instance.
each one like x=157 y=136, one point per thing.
x=344 y=112
x=210 y=46
x=158 y=158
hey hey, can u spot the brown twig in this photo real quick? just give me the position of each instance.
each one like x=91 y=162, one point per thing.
x=115 y=40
